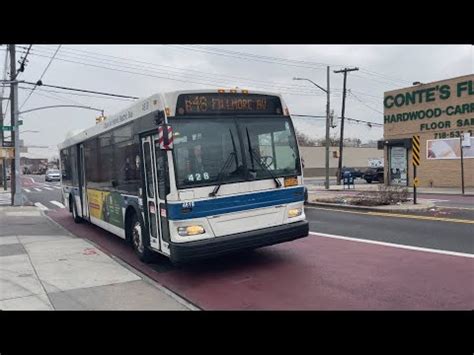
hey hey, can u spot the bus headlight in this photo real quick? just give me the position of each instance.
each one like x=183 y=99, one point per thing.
x=295 y=212
x=190 y=230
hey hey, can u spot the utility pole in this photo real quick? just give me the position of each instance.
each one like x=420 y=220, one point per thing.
x=4 y=161
x=326 y=184
x=17 y=196
x=341 y=139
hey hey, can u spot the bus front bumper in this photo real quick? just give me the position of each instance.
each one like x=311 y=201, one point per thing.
x=191 y=251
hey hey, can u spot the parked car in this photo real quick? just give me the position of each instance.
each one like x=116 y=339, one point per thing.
x=373 y=174
x=53 y=175
x=354 y=172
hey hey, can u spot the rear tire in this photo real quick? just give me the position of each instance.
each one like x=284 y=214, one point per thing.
x=75 y=216
x=139 y=238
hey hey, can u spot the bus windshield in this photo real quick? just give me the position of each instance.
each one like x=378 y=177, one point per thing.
x=210 y=151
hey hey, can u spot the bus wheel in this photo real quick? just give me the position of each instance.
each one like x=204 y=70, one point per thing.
x=75 y=216
x=139 y=241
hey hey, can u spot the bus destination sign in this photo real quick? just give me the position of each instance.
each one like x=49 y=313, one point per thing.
x=228 y=103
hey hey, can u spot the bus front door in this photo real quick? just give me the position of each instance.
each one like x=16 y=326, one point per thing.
x=151 y=208
x=82 y=183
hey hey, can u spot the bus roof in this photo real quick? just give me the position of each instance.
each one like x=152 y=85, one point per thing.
x=161 y=101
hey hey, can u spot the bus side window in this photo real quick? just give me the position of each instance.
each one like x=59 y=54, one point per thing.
x=163 y=173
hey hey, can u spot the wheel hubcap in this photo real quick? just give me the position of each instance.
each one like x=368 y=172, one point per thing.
x=137 y=237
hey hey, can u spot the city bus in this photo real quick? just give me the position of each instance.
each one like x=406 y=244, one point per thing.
x=190 y=174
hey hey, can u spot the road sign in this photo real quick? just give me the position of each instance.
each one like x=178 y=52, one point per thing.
x=466 y=142
x=415 y=144
x=7 y=128
x=416 y=182
x=20 y=122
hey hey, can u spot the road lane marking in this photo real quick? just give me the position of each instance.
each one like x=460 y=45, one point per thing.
x=57 y=187
x=26 y=190
x=396 y=215
x=48 y=188
x=59 y=204
x=32 y=180
x=334 y=210
x=39 y=190
x=41 y=206
x=393 y=245
x=457 y=208
x=429 y=218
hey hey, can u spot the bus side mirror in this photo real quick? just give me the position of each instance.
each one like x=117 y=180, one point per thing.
x=165 y=137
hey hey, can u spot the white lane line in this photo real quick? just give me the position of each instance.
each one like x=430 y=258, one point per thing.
x=27 y=190
x=427 y=250
x=48 y=188
x=59 y=204
x=41 y=206
x=39 y=190
x=57 y=187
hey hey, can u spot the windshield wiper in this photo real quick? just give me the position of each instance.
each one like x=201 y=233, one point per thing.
x=255 y=156
x=227 y=164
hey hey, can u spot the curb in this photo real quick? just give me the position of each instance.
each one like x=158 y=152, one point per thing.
x=369 y=209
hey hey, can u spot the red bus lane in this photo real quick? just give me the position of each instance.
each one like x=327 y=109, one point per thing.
x=314 y=273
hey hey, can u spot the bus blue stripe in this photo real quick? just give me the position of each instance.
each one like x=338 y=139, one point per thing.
x=218 y=206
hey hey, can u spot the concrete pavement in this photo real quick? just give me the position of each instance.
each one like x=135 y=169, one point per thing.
x=5 y=197
x=44 y=267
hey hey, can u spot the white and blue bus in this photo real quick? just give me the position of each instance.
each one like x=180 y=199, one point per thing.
x=190 y=174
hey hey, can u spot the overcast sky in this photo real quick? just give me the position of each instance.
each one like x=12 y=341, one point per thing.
x=144 y=70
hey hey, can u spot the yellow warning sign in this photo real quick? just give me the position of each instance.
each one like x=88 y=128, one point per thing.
x=415 y=144
x=416 y=182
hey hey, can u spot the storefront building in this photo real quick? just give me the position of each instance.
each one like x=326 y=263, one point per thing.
x=440 y=113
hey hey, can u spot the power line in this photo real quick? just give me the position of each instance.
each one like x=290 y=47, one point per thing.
x=202 y=78
x=371 y=72
x=363 y=103
x=253 y=55
x=81 y=90
x=77 y=94
x=356 y=120
x=299 y=93
x=41 y=77
x=315 y=66
x=121 y=59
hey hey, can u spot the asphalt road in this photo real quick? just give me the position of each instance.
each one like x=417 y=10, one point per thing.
x=435 y=232
x=350 y=261
x=45 y=195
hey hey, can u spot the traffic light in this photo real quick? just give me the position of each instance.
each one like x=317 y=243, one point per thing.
x=335 y=154
x=99 y=119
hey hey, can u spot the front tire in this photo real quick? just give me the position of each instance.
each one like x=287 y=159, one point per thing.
x=369 y=181
x=139 y=239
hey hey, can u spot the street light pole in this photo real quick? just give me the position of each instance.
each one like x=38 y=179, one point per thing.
x=328 y=104
x=326 y=183
x=17 y=196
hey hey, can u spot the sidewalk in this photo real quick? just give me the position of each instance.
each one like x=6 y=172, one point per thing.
x=5 y=197
x=43 y=267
